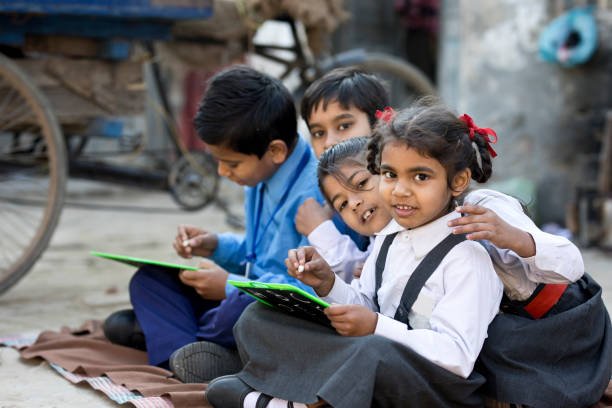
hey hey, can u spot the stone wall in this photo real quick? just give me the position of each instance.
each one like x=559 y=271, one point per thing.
x=549 y=119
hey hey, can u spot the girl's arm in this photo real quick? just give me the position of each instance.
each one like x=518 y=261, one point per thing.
x=338 y=250
x=545 y=258
x=359 y=291
x=314 y=221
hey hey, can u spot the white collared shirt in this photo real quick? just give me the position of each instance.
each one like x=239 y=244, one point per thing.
x=557 y=260
x=463 y=295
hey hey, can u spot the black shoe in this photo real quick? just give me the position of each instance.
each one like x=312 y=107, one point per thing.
x=203 y=361
x=230 y=391
x=123 y=329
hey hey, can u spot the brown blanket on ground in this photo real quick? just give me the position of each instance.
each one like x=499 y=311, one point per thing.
x=87 y=352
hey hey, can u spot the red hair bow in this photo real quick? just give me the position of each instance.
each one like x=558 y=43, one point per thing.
x=488 y=134
x=386 y=114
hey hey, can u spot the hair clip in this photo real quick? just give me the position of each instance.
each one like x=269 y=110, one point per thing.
x=386 y=115
x=487 y=134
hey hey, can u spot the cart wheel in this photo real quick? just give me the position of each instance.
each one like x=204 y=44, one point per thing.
x=194 y=181
x=32 y=173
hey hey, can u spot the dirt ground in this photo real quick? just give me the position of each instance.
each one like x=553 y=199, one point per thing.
x=68 y=286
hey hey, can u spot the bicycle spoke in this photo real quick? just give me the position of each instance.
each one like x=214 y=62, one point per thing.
x=16 y=119
x=7 y=98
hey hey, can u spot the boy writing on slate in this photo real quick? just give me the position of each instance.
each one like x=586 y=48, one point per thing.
x=248 y=122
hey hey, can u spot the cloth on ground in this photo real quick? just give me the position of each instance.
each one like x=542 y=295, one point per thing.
x=86 y=353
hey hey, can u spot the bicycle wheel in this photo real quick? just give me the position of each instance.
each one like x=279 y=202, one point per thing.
x=193 y=180
x=404 y=81
x=32 y=173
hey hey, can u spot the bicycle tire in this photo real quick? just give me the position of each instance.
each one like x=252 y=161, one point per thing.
x=51 y=152
x=405 y=76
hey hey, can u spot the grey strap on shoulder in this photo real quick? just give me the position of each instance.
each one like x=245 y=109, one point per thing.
x=422 y=272
x=381 y=260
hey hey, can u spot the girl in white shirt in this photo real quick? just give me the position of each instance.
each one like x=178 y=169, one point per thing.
x=549 y=302
x=392 y=351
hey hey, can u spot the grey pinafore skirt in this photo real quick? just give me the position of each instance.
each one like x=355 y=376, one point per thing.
x=302 y=361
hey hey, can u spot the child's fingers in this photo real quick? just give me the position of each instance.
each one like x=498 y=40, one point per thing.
x=471 y=209
x=335 y=311
x=188 y=277
x=468 y=219
x=182 y=233
x=467 y=227
x=479 y=235
x=315 y=265
x=206 y=264
x=301 y=256
x=291 y=270
x=292 y=258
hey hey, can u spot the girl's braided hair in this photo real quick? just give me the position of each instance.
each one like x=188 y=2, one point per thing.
x=434 y=131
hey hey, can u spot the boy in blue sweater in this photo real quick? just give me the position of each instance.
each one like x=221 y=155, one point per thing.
x=248 y=122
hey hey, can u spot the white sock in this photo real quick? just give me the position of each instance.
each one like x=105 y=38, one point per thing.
x=251 y=399
x=281 y=403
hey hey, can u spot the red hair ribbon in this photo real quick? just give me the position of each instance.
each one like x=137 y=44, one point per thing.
x=386 y=114
x=488 y=134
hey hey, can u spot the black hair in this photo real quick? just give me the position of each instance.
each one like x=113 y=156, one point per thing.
x=348 y=152
x=434 y=131
x=244 y=110
x=348 y=86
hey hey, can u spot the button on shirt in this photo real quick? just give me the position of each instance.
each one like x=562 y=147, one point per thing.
x=281 y=235
x=557 y=260
x=464 y=292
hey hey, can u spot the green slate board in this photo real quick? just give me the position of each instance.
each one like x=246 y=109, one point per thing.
x=287 y=298
x=138 y=262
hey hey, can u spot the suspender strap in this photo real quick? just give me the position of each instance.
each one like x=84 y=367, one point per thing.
x=381 y=260
x=422 y=272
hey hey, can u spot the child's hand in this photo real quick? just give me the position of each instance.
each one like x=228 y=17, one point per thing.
x=209 y=280
x=310 y=215
x=308 y=266
x=192 y=240
x=352 y=320
x=483 y=223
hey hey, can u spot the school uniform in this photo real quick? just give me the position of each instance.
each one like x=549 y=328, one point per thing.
x=424 y=358
x=342 y=251
x=551 y=345
x=172 y=314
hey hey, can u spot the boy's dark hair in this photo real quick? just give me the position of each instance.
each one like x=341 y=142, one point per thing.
x=349 y=87
x=434 y=131
x=244 y=110
x=348 y=152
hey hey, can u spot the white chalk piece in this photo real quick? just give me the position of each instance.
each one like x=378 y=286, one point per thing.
x=301 y=268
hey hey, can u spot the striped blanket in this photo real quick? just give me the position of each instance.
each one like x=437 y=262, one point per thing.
x=120 y=373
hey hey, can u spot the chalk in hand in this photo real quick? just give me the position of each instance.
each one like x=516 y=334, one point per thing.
x=186 y=243
x=300 y=268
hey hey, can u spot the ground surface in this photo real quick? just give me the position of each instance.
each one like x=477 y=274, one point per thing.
x=68 y=286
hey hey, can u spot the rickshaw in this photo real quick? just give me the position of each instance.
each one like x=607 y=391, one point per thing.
x=76 y=73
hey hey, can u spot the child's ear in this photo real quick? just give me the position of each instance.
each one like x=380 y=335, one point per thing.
x=461 y=182
x=278 y=151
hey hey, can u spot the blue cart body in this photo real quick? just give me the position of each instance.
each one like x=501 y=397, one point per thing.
x=140 y=9
x=114 y=20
